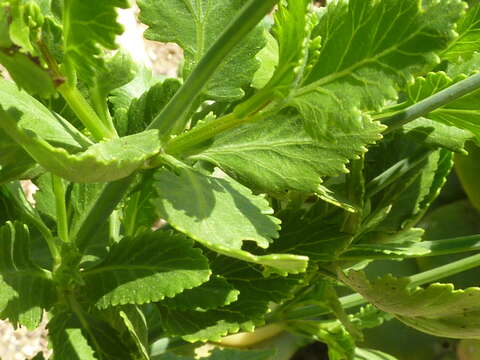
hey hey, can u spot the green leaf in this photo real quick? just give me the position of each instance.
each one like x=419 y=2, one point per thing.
x=438 y=309
x=223 y=215
x=369 y=354
x=212 y=294
x=26 y=290
x=468 y=40
x=268 y=59
x=35 y=117
x=146 y=268
x=369 y=49
x=436 y=134
x=257 y=292
x=277 y=154
x=26 y=19
x=318 y=238
x=105 y=161
x=144 y=109
x=195 y=25
x=463 y=113
x=233 y=354
x=89 y=26
x=122 y=98
x=27 y=73
x=44 y=196
x=67 y=339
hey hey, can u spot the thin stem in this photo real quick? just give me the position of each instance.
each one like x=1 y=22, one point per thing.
x=433 y=102
x=173 y=118
x=61 y=209
x=85 y=113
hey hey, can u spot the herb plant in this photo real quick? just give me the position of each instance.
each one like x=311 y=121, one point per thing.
x=297 y=150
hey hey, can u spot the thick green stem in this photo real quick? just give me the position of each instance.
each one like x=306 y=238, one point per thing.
x=99 y=212
x=433 y=102
x=61 y=208
x=173 y=118
x=85 y=113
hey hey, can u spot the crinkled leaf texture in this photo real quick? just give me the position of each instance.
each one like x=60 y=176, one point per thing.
x=438 y=309
x=146 y=268
x=369 y=49
x=195 y=26
x=89 y=25
x=221 y=214
x=277 y=154
x=463 y=113
x=26 y=290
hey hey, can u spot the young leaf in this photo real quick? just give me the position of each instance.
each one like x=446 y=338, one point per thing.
x=468 y=40
x=87 y=27
x=233 y=354
x=195 y=26
x=277 y=154
x=146 y=268
x=369 y=48
x=26 y=289
x=437 y=309
x=223 y=215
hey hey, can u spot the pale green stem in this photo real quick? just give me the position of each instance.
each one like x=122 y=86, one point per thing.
x=174 y=116
x=61 y=209
x=433 y=102
x=85 y=113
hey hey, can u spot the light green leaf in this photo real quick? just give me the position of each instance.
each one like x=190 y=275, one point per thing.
x=436 y=134
x=67 y=339
x=26 y=290
x=44 y=196
x=222 y=215
x=195 y=26
x=277 y=154
x=146 y=268
x=438 y=309
x=463 y=113
x=213 y=294
x=369 y=354
x=369 y=49
x=106 y=161
x=89 y=26
x=268 y=59
x=468 y=40
x=26 y=19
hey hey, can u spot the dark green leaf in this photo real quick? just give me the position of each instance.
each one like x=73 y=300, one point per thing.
x=26 y=290
x=195 y=25
x=223 y=215
x=146 y=268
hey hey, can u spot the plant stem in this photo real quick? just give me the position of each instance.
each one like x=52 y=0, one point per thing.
x=61 y=208
x=173 y=118
x=433 y=102
x=85 y=113
x=99 y=212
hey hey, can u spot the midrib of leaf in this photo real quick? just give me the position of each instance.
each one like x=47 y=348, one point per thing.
x=467 y=31
x=199 y=19
x=250 y=147
x=349 y=71
x=456 y=111
x=38 y=273
x=130 y=268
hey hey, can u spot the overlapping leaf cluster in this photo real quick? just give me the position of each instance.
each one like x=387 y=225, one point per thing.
x=287 y=179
